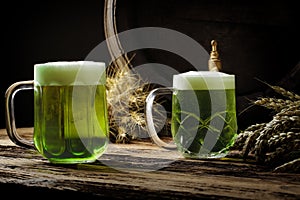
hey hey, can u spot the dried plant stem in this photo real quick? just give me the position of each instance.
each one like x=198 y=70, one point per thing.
x=293 y=165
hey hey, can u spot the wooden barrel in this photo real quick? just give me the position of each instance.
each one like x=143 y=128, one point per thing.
x=256 y=40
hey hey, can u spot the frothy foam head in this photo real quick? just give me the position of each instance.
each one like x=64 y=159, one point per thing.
x=203 y=80
x=70 y=73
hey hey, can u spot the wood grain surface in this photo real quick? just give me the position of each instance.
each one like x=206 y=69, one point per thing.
x=139 y=170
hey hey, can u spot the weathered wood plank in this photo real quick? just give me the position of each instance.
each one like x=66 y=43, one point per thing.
x=141 y=170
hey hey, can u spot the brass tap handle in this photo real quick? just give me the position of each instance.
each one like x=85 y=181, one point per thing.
x=214 y=45
x=214 y=63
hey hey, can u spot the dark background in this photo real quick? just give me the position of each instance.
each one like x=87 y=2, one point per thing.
x=43 y=31
x=257 y=39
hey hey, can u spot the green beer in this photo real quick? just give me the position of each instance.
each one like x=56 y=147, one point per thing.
x=204 y=114
x=70 y=111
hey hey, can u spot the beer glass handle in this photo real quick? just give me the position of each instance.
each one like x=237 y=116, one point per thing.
x=10 y=115
x=149 y=117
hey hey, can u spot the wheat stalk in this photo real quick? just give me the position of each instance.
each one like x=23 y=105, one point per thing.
x=285 y=93
x=272 y=103
x=126 y=97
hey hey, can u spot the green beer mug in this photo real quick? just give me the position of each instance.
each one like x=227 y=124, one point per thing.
x=203 y=123
x=70 y=111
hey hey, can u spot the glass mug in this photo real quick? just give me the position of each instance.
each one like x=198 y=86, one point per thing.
x=70 y=111
x=203 y=122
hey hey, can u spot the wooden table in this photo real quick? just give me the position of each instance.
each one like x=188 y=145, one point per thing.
x=139 y=171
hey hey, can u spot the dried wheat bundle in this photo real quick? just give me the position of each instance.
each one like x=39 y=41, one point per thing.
x=126 y=97
x=277 y=142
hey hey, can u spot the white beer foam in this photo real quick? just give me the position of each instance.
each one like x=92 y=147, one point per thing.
x=70 y=73
x=203 y=80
